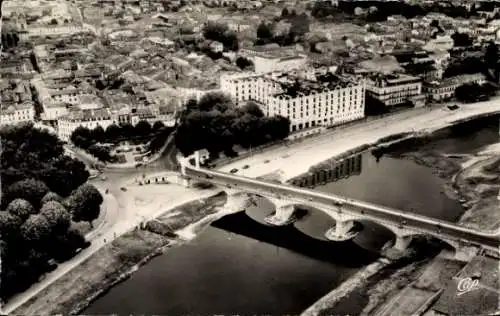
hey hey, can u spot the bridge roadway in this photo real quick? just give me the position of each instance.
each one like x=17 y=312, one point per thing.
x=422 y=224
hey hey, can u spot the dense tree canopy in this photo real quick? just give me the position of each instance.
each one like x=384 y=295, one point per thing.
x=28 y=152
x=220 y=32
x=214 y=123
x=473 y=92
x=34 y=226
x=30 y=190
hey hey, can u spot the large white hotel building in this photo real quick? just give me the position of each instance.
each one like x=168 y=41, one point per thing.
x=309 y=98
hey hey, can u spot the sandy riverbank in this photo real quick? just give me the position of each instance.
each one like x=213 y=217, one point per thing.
x=473 y=179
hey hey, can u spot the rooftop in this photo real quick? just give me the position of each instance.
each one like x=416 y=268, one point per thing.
x=393 y=79
x=295 y=86
x=88 y=114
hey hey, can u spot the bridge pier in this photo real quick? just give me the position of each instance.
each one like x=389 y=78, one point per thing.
x=283 y=216
x=342 y=231
x=237 y=202
x=402 y=242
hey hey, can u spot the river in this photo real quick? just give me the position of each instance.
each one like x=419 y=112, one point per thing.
x=239 y=265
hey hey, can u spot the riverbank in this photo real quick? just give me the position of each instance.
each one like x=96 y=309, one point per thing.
x=472 y=179
x=297 y=158
x=117 y=260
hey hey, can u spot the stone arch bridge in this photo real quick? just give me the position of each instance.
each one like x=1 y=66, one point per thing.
x=346 y=212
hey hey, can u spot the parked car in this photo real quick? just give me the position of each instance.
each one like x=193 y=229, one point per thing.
x=245 y=167
x=234 y=170
x=453 y=107
x=123 y=189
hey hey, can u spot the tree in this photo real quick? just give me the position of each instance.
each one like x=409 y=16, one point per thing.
x=214 y=31
x=284 y=13
x=36 y=228
x=264 y=30
x=127 y=130
x=84 y=203
x=253 y=109
x=142 y=128
x=97 y=134
x=51 y=196
x=112 y=132
x=100 y=152
x=82 y=137
x=57 y=216
x=215 y=101
x=21 y=208
x=30 y=189
x=243 y=62
x=158 y=125
x=9 y=225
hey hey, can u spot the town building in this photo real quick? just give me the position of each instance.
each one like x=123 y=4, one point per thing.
x=90 y=118
x=309 y=98
x=394 y=89
x=277 y=62
x=17 y=113
x=445 y=89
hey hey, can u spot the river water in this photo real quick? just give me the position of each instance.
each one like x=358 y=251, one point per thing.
x=239 y=265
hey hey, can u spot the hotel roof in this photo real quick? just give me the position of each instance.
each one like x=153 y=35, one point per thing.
x=294 y=86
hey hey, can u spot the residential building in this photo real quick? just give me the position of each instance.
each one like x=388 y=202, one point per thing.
x=17 y=113
x=308 y=99
x=444 y=90
x=52 y=109
x=90 y=119
x=272 y=61
x=393 y=89
x=327 y=101
x=439 y=43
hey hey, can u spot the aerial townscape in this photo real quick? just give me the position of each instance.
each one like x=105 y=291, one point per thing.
x=250 y=157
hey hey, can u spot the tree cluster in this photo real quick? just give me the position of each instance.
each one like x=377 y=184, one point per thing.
x=244 y=63
x=221 y=33
x=36 y=229
x=473 y=92
x=468 y=65
x=299 y=27
x=41 y=188
x=90 y=140
x=215 y=124
x=28 y=152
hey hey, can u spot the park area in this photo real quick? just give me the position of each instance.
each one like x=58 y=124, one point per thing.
x=124 y=143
